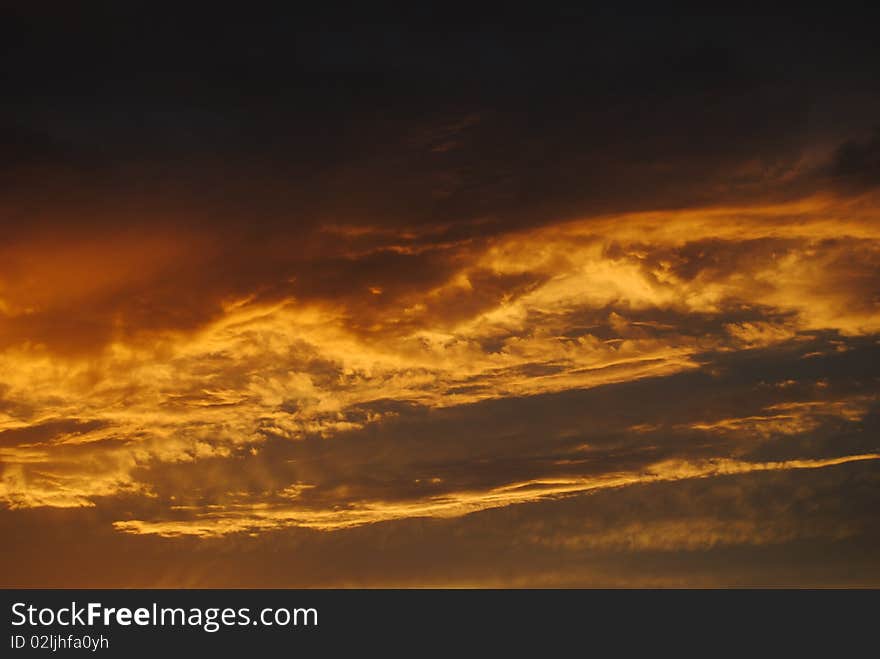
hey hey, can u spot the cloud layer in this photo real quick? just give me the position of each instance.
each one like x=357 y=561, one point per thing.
x=346 y=326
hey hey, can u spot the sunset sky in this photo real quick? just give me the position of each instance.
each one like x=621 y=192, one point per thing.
x=421 y=300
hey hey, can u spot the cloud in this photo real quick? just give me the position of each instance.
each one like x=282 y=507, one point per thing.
x=856 y=164
x=252 y=296
x=256 y=517
x=576 y=305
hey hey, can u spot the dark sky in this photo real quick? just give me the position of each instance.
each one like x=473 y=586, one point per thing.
x=433 y=298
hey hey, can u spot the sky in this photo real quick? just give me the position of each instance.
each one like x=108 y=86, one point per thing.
x=533 y=300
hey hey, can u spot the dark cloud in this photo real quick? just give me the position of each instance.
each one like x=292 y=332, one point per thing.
x=427 y=120
x=47 y=432
x=857 y=163
x=655 y=535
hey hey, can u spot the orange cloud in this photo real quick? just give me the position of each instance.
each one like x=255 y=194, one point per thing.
x=574 y=305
